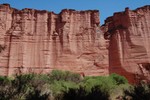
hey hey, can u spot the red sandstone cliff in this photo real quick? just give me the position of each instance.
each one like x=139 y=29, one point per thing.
x=128 y=33
x=39 y=41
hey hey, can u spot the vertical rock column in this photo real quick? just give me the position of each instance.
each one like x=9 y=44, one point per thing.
x=5 y=24
x=129 y=47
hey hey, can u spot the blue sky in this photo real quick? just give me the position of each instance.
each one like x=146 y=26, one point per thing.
x=106 y=7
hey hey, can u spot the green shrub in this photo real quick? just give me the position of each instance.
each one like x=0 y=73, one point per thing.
x=118 y=79
x=81 y=94
x=65 y=76
x=23 y=87
x=118 y=91
x=36 y=95
x=106 y=83
x=138 y=92
x=60 y=85
x=98 y=94
x=5 y=80
x=6 y=90
x=41 y=92
x=75 y=94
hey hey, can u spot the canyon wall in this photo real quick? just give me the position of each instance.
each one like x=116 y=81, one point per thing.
x=128 y=33
x=40 y=41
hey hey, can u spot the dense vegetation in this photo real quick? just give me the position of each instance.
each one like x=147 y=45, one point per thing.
x=138 y=92
x=64 y=85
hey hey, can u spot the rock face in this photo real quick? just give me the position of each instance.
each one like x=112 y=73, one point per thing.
x=128 y=33
x=39 y=41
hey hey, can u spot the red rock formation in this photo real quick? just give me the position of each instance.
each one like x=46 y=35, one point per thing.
x=129 y=48
x=39 y=41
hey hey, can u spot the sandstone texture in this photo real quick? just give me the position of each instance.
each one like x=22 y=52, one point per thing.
x=128 y=33
x=40 y=41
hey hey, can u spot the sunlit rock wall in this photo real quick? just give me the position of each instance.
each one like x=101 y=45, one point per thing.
x=128 y=33
x=40 y=41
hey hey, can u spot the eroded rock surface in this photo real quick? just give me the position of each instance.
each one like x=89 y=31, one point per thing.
x=39 y=41
x=129 y=46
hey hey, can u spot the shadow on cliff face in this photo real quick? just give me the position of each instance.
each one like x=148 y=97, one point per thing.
x=134 y=78
x=2 y=48
x=129 y=76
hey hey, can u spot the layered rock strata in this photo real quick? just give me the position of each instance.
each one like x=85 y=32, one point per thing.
x=128 y=33
x=40 y=41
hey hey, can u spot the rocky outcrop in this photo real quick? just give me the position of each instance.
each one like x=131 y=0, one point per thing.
x=39 y=41
x=128 y=33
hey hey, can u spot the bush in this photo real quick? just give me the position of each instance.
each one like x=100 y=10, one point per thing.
x=5 y=80
x=40 y=93
x=60 y=85
x=106 y=83
x=23 y=87
x=98 y=94
x=36 y=95
x=118 y=79
x=81 y=94
x=138 y=92
x=75 y=94
x=65 y=76
x=6 y=90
